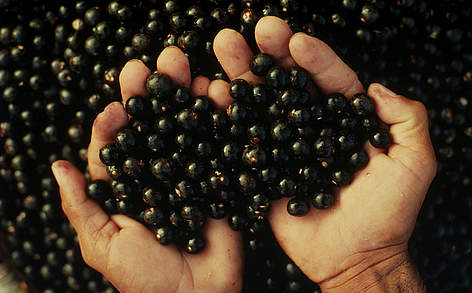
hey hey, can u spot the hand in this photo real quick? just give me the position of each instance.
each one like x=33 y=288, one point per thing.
x=365 y=234
x=122 y=249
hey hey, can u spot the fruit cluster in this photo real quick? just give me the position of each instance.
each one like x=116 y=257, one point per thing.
x=179 y=161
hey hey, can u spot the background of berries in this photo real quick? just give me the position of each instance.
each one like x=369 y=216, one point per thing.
x=59 y=67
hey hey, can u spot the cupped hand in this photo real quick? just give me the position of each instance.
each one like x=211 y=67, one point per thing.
x=119 y=247
x=374 y=216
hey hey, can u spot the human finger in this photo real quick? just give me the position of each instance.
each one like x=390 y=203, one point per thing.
x=328 y=71
x=234 y=55
x=272 y=37
x=218 y=92
x=173 y=62
x=106 y=125
x=133 y=79
x=408 y=121
x=93 y=226
x=199 y=86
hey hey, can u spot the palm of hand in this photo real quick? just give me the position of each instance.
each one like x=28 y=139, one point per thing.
x=375 y=215
x=122 y=249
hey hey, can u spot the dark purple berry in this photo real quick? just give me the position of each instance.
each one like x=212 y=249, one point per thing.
x=358 y=160
x=277 y=78
x=162 y=169
x=239 y=89
x=299 y=77
x=322 y=200
x=298 y=207
x=381 y=139
x=138 y=107
x=165 y=235
x=154 y=216
x=340 y=178
x=362 y=104
x=159 y=85
x=99 y=190
x=195 y=244
x=261 y=64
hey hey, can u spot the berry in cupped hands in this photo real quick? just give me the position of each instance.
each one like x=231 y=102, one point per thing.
x=159 y=85
x=261 y=63
x=180 y=160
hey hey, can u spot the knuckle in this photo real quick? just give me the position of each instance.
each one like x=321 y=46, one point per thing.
x=420 y=110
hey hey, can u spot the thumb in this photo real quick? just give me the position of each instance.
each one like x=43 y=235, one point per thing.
x=93 y=226
x=408 y=120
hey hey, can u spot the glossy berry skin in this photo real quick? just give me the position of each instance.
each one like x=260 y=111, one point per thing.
x=346 y=141
x=159 y=85
x=231 y=152
x=254 y=156
x=237 y=222
x=165 y=235
x=127 y=140
x=238 y=112
x=300 y=149
x=195 y=170
x=256 y=133
x=287 y=187
x=155 y=143
x=187 y=119
x=299 y=116
x=281 y=132
x=324 y=147
x=194 y=244
x=182 y=97
x=138 y=107
x=299 y=77
x=154 y=216
x=260 y=202
x=298 y=207
x=337 y=103
x=322 y=200
x=369 y=123
x=217 y=210
x=239 y=89
x=340 y=178
x=165 y=125
x=125 y=188
x=309 y=174
x=162 y=169
x=110 y=155
x=189 y=41
x=202 y=105
x=289 y=99
x=185 y=190
x=261 y=95
x=381 y=139
x=133 y=167
x=358 y=160
x=261 y=64
x=362 y=104
x=277 y=78
x=99 y=190
x=115 y=172
x=152 y=196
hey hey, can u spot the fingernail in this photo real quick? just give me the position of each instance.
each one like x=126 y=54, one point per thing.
x=385 y=91
x=59 y=169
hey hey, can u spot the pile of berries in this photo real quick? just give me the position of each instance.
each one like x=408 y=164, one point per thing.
x=179 y=161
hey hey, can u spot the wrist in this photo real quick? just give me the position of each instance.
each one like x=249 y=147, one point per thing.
x=379 y=272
